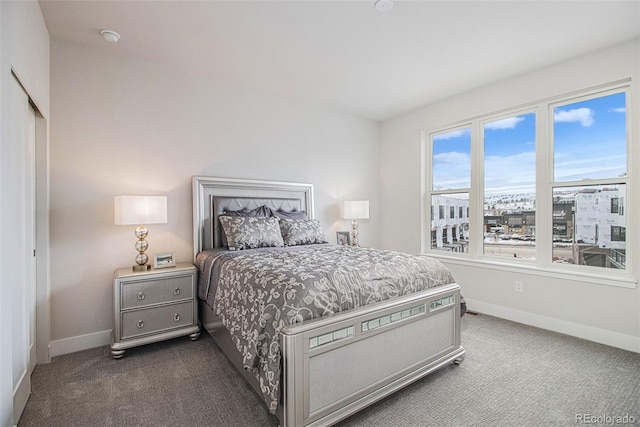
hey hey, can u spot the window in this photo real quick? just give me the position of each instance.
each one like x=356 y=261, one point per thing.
x=618 y=234
x=450 y=183
x=551 y=189
x=509 y=186
x=589 y=138
x=590 y=144
x=614 y=205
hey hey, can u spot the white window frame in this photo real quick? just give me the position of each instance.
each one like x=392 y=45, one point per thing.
x=480 y=161
x=428 y=179
x=543 y=264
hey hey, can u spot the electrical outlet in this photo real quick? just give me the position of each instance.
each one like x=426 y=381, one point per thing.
x=519 y=286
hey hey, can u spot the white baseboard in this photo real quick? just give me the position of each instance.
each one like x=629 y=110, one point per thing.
x=21 y=395
x=602 y=336
x=79 y=343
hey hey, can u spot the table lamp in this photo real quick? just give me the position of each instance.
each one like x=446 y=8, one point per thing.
x=140 y=210
x=355 y=210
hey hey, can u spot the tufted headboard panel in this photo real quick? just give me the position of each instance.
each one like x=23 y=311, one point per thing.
x=222 y=204
x=212 y=196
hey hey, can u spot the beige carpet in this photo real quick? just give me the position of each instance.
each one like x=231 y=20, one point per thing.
x=513 y=375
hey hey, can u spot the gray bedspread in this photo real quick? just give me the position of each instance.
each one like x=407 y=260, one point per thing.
x=257 y=292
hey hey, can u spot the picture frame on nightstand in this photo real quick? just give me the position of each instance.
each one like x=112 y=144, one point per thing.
x=163 y=260
x=343 y=238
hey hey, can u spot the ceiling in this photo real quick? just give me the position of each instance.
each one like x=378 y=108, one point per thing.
x=345 y=54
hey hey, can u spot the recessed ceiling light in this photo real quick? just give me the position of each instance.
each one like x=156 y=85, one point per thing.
x=383 y=5
x=110 y=36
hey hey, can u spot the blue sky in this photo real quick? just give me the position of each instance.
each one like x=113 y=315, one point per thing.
x=590 y=142
x=590 y=139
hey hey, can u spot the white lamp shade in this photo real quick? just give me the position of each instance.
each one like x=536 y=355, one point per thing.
x=132 y=210
x=358 y=209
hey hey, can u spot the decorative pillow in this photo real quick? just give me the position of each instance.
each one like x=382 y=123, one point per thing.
x=251 y=232
x=261 y=211
x=290 y=215
x=302 y=232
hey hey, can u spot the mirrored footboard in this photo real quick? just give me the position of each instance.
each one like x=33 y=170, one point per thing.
x=335 y=366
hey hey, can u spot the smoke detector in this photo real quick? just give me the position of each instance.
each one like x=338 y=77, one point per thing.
x=383 y=5
x=110 y=36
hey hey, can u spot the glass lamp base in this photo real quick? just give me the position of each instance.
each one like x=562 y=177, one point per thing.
x=354 y=233
x=141 y=247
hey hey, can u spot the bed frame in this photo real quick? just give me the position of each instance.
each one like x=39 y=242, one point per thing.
x=336 y=365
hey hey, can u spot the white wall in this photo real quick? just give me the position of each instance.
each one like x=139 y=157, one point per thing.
x=25 y=49
x=123 y=126
x=603 y=313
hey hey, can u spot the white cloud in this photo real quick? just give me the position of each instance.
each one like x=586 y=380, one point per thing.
x=452 y=159
x=513 y=173
x=451 y=170
x=606 y=165
x=454 y=134
x=582 y=115
x=509 y=123
x=619 y=110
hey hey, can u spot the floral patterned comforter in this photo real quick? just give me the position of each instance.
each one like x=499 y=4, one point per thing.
x=257 y=292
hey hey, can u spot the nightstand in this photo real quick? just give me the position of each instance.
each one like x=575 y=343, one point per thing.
x=154 y=305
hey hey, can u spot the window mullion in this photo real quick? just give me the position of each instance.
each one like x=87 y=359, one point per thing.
x=426 y=187
x=544 y=179
x=631 y=201
x=476 y=191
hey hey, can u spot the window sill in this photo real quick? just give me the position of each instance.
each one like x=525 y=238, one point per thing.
x=620 y=281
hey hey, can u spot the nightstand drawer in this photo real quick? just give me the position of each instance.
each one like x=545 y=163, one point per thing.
x=156 y=319
x=147 y=292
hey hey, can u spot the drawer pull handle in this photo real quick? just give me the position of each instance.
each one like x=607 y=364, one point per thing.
x=176 y=291
x=176 y=317
x=140 y=324
x=140 y=296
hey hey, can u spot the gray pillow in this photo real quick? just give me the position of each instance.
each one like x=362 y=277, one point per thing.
x=290 y=215
x=302 y=232
x=251 y=232
x=261 y=211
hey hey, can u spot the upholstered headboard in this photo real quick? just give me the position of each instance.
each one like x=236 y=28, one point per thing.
x=212 y=196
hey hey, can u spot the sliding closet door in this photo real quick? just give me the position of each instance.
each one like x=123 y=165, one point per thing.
x=30 y=232
x=18 y=237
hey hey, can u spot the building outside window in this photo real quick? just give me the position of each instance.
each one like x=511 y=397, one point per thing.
x=618 y=234
x=614 y=205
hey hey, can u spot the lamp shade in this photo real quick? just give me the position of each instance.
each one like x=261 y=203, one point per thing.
x=131 y=210
x=358 y=209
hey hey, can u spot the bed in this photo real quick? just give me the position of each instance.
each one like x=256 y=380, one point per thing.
x=317 y=364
